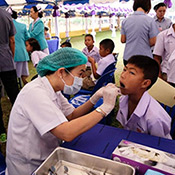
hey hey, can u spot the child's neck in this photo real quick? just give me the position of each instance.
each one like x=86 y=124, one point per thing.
x=133 y=101
x=90 y=48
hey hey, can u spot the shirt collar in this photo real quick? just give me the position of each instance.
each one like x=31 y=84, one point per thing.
x=139 y=13
x=35 y=22
x=93 y=49
x=156 y=19
x=141 y=107
x=49 y=88
x=171 y=31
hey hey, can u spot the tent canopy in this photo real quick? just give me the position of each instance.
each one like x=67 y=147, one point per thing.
x=21 y=2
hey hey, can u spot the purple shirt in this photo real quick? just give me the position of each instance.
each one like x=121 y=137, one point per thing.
x=93 y=53
x=138 y=29
x=165 y=45
x=148 y=117
x=171 y=68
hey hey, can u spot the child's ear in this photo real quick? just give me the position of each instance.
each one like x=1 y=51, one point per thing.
x=108 y=51
x=146 y=83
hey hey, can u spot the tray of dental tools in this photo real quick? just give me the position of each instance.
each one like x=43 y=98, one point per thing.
x=64 y=161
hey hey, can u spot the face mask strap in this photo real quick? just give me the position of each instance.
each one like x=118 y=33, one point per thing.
x=69 y=72
x=62 y=80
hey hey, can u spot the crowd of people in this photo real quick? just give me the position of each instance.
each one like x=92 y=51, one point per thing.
x=42 y=115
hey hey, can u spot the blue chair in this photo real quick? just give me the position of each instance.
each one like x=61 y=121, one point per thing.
x=171 y=112
x=53 y=45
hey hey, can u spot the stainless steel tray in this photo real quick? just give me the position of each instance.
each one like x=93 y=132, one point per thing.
x=66 y=160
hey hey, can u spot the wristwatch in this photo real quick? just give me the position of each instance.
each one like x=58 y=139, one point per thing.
x=101 y=111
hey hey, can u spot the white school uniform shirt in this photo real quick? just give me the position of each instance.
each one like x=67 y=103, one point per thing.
x=104 y=63
x=36 y=56
x=148 y=117
x=165 y=46
x=171 y=68
x=37 y=110
x=93 y=53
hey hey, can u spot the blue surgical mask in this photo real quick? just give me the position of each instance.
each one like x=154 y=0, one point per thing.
x=75 y=87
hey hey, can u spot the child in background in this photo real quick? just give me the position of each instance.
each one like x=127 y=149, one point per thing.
x=90 y=49
x=107 y=58
x=138 y=111
x=46 y=33
x=32 y=46
x=66 y=44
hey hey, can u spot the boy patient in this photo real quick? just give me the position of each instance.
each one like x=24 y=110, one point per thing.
x=106 y=49
x=138 y=111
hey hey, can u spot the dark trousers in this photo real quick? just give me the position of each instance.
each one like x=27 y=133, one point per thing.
x=9 y=80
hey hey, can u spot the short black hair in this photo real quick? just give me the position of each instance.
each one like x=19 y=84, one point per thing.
x=14 y=14
x=149 y=66
x=34 y=43
x=89 y=35
x=46 y=28
x=161 y=4
x=144 y=4
x=66 y=44
x=108 y=44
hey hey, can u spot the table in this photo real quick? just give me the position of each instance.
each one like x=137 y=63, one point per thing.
x=101 y=140
x=53 y=45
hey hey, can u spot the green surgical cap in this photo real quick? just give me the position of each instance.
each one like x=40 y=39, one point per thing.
x=65 y=57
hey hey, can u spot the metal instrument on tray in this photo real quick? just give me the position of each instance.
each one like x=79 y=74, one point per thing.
x=64 y=161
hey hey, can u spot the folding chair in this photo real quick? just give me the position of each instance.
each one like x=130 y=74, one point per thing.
x=171 y=112
x=53 y=44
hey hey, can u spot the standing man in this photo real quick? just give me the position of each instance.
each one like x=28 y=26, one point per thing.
x=163 y=49
x=7 y=69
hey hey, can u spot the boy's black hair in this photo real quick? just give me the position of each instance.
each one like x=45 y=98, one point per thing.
x=34 y=43
x=46 y=28
x=144 y=4
x=149 y=66
x=14 y=14
x=161 y=4
x=67 y=44
x=89 y=36
x=108 y=44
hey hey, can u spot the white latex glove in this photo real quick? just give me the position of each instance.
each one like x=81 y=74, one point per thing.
x=110 y=94
x=95 y=97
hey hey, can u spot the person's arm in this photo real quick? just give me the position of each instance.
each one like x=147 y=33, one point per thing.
x=67 y=131
x=94 y=68
x=152 y=41
x=123 y=39
x=12 y=44
x=159 y=60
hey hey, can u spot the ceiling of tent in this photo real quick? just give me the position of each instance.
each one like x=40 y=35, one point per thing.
x=21 y=2
x=82 y=6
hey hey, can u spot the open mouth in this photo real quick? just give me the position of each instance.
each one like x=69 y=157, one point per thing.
x=122 y=85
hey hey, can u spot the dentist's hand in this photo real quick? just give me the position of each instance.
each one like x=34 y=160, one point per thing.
x=110 y=94
x=98 y=94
